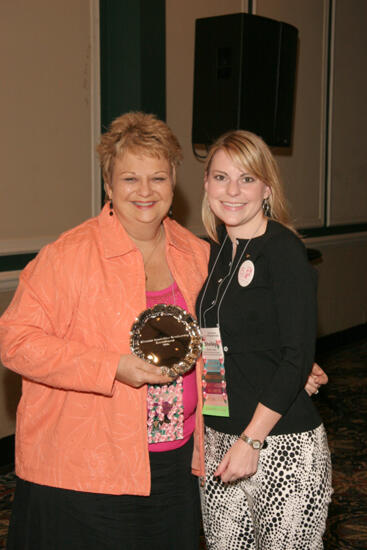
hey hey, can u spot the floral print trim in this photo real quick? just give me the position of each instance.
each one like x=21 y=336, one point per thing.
x=165 y=412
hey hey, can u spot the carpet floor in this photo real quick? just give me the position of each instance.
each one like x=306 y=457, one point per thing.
x=343 y=406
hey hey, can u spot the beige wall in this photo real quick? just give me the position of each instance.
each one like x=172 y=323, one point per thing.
x=302 y=167
x=46 y=128
x=348 y=159
x=49 y=112
x=342 y=290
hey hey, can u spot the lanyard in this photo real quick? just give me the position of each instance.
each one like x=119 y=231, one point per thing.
x=202 y=314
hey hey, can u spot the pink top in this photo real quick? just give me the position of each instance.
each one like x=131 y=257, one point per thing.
x=172 y=295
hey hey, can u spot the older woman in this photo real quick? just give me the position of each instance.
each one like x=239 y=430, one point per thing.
x=95 y=469
x=268 y=470
x=104 y=442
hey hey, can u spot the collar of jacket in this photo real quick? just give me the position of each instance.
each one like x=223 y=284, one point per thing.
x=116 y=241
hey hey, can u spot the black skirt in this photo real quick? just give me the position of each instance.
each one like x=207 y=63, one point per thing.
x=48 y=518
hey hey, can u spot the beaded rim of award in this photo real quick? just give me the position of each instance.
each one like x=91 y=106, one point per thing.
x=155 y=343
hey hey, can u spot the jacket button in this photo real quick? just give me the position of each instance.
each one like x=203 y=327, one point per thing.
x=225 y=348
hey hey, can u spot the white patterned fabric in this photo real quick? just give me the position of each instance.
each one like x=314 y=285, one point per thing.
x=282 y=507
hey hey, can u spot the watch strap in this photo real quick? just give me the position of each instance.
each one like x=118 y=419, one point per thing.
x=254 y=443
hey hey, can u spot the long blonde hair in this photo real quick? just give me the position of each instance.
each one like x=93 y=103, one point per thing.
x=249 y=151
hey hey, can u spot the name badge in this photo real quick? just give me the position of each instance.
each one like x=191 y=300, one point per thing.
x=213 y=378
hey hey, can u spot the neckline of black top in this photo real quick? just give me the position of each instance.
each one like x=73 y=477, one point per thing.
x=222 y=233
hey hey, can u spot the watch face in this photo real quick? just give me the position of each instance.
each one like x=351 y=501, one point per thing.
x=256 y=444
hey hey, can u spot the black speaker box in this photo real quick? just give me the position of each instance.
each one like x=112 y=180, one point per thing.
x=244 y=77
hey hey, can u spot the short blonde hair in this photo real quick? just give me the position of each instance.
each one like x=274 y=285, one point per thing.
x=139 y=133
x=248 y=151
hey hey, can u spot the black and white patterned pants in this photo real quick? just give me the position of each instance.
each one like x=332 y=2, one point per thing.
x=282 y=507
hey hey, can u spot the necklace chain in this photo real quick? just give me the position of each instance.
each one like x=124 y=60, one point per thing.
x=231 y=273
x=146 y=261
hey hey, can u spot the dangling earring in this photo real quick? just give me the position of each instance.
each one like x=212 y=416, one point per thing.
x=170 y=212
x=266 y=207
x=111 y=208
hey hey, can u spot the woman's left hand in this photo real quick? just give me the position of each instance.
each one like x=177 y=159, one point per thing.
x=239 y=462
x=316 y=378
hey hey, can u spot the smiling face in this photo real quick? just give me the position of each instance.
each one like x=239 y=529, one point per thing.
x=141 y=189
x=235 y=196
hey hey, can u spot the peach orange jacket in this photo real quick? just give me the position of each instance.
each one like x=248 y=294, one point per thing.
x=64 y=332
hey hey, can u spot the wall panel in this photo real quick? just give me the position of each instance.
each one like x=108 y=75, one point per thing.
x=46 y=127
x=348 y=142
x=302 y=167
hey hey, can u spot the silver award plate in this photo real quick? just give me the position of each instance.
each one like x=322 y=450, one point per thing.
x=166 y=336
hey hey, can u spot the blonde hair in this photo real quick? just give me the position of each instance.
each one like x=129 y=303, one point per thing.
x=249 y=151
x=138 y=133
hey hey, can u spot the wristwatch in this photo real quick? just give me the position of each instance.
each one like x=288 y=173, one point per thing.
x=254 y=443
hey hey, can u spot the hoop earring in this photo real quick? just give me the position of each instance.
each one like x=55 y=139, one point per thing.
x=111 y=208
x=266 y=207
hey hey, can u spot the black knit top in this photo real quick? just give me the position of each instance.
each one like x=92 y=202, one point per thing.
x=268 y=329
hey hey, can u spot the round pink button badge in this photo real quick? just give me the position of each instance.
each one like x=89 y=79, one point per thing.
x=246 y=273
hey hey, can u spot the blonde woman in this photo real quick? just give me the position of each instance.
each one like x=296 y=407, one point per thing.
x=268 y=470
